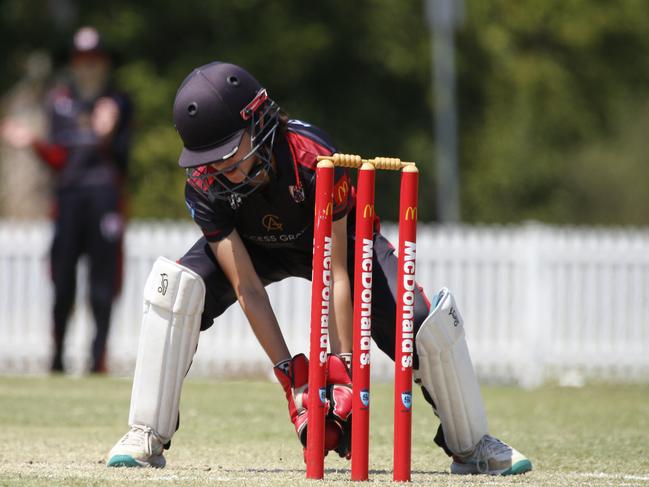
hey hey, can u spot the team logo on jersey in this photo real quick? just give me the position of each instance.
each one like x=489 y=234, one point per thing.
x=365 y=397
x=297 y=193
x=406 y=399
x=272 y=223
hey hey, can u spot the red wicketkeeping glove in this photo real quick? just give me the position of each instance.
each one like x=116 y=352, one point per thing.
x=295 y=382
x=339 y=393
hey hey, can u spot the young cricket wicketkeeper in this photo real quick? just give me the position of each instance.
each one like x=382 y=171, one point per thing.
x=250 y=188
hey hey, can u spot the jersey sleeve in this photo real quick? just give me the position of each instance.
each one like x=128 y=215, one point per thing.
x=307 y=142
x=215 y=221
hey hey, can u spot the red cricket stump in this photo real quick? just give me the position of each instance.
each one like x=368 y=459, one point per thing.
x=320 y=299
x=362 y=336
x=405 y=336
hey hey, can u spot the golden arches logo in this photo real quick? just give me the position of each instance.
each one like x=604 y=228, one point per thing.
x=368 y=211
x=326 y=211
x=411 y=213
x=341 y=190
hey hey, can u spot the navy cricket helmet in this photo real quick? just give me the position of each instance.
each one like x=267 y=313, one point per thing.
x=214 y=107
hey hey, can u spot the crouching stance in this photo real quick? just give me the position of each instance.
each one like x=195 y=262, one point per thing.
x=251 y=189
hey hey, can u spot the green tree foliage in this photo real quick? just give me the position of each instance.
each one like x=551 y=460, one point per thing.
x=555 y=93
x=552 y=94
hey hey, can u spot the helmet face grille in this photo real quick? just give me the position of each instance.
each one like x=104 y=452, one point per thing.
x=264 y=121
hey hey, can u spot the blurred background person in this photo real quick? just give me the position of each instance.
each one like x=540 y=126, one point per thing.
x=24 y=186
x=87 y=147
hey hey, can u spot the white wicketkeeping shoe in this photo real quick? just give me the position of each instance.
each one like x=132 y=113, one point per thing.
x=492 y=457
x=140 y=447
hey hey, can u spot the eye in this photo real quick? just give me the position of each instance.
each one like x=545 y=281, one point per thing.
x=192 y=109
x=233 y=80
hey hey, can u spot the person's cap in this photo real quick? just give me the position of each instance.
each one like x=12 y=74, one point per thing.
x=88 y=41
x=211 y=111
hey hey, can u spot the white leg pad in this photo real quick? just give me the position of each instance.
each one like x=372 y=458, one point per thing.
x=174 y=297
x=446 y=371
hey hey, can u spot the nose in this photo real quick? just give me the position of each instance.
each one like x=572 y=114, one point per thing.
x=217 y=165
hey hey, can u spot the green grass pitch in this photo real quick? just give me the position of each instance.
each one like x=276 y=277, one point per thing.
x=58 y=430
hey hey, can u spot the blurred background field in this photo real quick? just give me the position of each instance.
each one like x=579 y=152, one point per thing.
x=57 y=431
x=552 y=95
x=552 y=101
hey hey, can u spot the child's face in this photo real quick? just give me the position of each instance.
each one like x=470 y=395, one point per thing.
x=233 y=168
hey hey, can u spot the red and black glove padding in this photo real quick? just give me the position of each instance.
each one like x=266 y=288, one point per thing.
x=295 y=381
x=339 y=394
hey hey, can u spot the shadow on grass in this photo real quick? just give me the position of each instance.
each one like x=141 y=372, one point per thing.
x=329 y=471
x=414 y=472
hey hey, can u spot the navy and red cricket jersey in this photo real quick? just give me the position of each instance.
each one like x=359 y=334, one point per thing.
x=271 y=217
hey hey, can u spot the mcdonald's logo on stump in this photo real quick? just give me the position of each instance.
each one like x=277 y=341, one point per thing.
x=326 y=211
x=368 y=211
x=411 y=213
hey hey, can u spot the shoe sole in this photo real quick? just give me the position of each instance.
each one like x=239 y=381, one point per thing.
x=129 y=461
x=520 y=467
x=123 y=461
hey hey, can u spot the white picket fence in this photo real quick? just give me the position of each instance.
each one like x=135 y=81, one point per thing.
x=539 y=302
